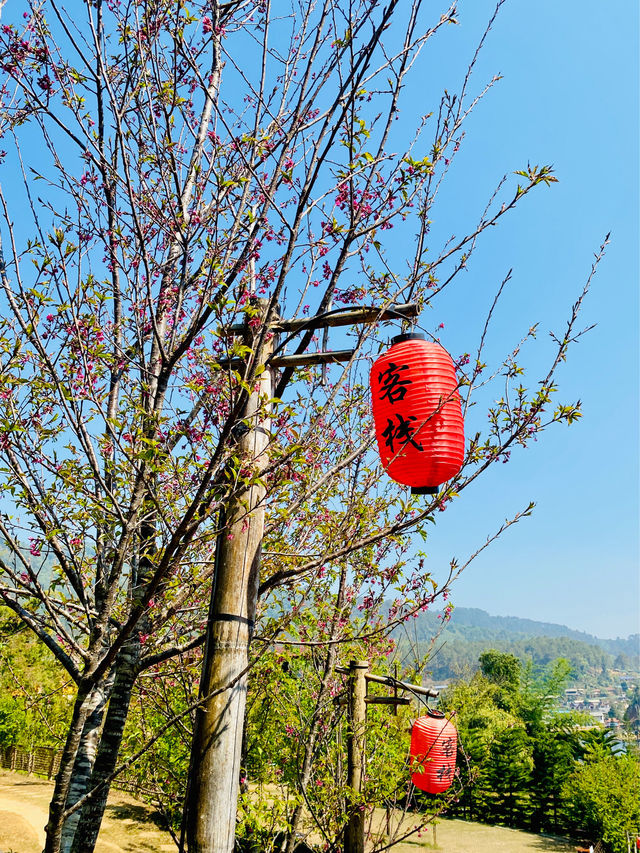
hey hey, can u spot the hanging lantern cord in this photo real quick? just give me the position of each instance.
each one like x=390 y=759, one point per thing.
x=408 y=324
x=425 y=699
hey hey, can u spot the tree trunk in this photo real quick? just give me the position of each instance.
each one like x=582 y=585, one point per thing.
x=63 y=778
x=88 y=819
x=310 y=740
x=92 y=812
x=85 y=758
x=305 y=777
x=356 y=744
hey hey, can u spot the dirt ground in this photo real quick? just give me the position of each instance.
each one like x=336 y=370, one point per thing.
x=128 y=827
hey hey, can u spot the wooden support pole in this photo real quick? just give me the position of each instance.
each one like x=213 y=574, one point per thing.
x=213 y=787
x=357 y=701
x=212 y=797
x=354 y=830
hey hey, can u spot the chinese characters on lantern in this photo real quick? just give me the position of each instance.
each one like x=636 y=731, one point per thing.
x=417 y=413
x=445 y=772
x=448 y=747
x=399 y=432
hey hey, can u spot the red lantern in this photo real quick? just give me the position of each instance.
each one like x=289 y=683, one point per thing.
x=417 y=412
x=434 y=744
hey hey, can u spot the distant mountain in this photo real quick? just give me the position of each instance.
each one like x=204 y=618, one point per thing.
x=470 y=631
x=468 y=621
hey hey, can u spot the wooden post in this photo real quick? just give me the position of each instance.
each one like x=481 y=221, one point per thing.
x=357 y=701
x=212 y=798
x=354 y=830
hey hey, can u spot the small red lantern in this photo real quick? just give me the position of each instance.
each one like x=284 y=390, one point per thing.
x=434 y=744
x=417 y=413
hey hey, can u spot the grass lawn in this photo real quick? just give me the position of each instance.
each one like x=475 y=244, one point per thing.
x=458 y=836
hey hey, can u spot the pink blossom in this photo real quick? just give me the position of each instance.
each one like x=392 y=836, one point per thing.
x=45 y=83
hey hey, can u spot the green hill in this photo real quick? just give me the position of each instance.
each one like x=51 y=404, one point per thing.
x=471 y=631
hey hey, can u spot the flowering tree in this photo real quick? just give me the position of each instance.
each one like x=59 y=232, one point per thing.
x=180 y=163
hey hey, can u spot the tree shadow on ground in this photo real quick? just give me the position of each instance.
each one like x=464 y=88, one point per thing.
x=144 y=815
x=561 y=844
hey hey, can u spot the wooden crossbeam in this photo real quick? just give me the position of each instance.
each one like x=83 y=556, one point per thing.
x=299 y=360
x=351 y=317
x=390 y=681
x=387 y=700
x=377 y=700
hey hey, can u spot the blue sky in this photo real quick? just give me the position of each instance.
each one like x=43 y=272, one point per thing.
x=568 y=97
